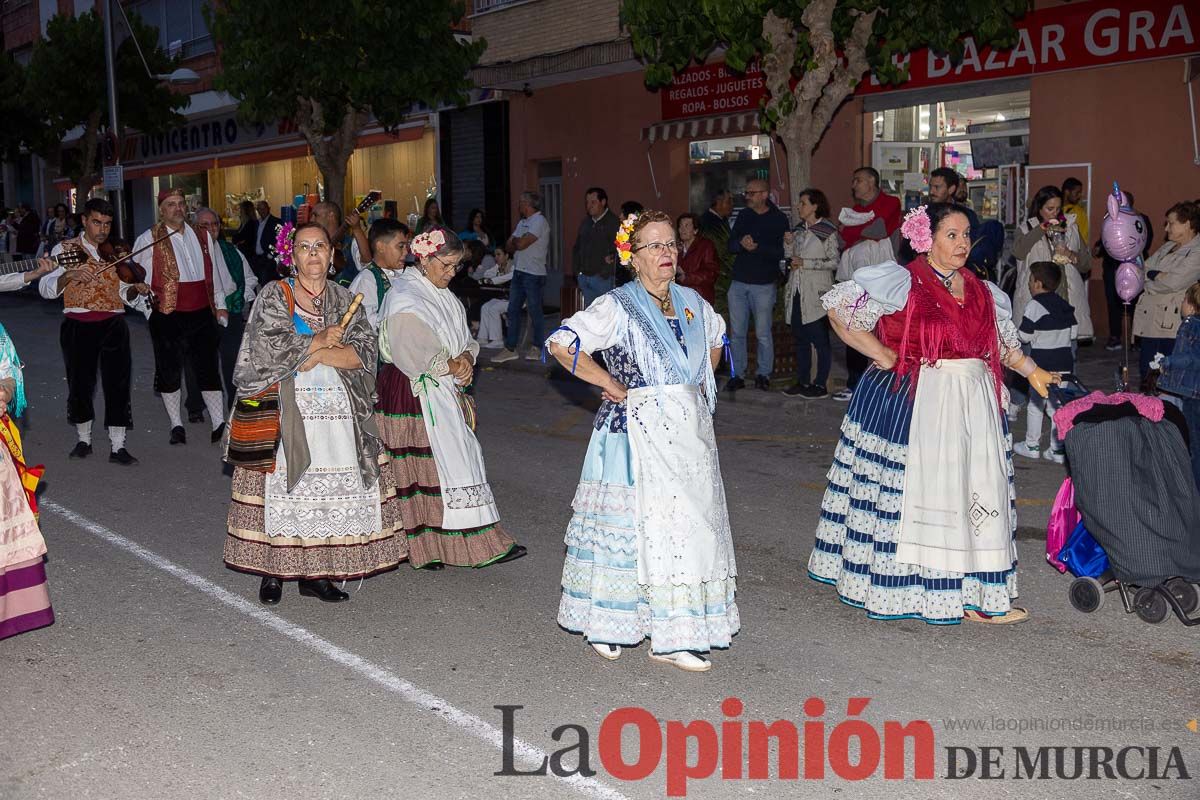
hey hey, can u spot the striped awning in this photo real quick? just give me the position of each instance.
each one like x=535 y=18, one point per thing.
x=745 y=123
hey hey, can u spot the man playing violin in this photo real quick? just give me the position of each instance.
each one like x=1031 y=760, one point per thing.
x=189 y=288
x=94 y=333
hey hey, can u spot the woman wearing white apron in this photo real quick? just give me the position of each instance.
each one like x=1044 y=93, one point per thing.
x=919 y=515
x=649 y=550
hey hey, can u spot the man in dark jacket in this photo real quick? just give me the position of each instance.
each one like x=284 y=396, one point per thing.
x=593 y=257
x=29 y=228
x=757 y=245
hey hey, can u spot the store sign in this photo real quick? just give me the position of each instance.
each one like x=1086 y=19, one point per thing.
x=204 y=138
x=1075 y=36
x=1070 y=37
x=713 y=89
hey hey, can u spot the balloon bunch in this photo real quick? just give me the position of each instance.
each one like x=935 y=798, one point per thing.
x=1124 y=237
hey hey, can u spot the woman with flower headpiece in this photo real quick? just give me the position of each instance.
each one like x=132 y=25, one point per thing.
x=919 y=517
x=24 y=598
x=427 y=419
x=310 y=502
x=649 y=550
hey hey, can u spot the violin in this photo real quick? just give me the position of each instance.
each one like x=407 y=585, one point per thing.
x=118 y=253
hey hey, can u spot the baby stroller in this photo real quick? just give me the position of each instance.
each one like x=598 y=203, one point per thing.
x=1136 y=501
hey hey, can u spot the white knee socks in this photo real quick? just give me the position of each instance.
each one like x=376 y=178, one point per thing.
x=84 y=431
x=116 y=437
x=171 y=401
x=215 y=403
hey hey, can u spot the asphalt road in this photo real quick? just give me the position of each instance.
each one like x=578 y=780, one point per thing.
x=163 y=677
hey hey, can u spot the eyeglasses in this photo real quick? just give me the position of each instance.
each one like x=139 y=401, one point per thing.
x=658 y=248
x=456 y=266
x=315 y=248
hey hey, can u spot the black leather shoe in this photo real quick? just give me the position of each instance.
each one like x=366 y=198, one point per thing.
x=733 y=384
x=178 y=435
x=762 y=382
x=217 y=433
x=433 y=566
x=270 y=591
x=122 y=457
x=517 y=551
x=195 y=416
x=323 y=589
x=81 y=450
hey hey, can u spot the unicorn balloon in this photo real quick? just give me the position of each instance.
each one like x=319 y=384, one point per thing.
x=1124 y=236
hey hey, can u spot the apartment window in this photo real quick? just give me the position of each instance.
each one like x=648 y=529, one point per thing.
x=181 y=27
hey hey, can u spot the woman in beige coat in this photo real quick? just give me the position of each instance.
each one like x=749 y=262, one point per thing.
x=1172 y=269
x=1049 y=236
x=813 y=251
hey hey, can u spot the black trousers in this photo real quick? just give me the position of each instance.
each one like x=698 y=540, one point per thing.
x=1116 y=306
x=811 y=336
x=856 y=365
x=180 y=337
x=87 y=346
x=231 y=342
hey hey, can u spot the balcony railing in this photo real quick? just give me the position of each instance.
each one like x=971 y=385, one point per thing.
x=484 y=6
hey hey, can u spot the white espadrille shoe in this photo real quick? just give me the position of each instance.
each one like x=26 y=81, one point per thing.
x=684 y=660
x=609 y=652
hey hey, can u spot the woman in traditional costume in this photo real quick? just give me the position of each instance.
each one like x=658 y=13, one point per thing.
x=919 y=517
x=649 y=550
x=323 y=511
x=24 y=598
x=427 y=419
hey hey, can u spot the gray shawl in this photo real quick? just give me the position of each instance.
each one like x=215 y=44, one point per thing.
x=273 y=351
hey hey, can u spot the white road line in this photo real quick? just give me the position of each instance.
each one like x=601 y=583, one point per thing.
x=411 y=693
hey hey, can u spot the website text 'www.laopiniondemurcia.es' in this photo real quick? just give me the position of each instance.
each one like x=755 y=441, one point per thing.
x=817 y=748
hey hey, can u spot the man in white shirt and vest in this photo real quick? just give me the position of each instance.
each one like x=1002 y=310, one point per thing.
x=189 y=290
x=241 y=294
x=94 y=335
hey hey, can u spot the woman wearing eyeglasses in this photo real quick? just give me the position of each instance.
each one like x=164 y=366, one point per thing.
x=326 y=512
x=427 y=419
x=649 y=550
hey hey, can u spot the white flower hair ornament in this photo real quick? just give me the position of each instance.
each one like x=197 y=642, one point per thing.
x=426 y=244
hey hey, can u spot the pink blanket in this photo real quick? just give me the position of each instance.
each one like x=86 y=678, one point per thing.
x=1149 y=407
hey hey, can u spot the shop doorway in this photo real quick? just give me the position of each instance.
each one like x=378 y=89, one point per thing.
x=550 y=188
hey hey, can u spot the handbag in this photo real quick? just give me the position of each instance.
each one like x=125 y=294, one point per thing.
x=254 y=425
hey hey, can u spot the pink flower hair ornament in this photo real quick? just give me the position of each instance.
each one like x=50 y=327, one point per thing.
x=426 y=244
x=284 y=250
x=918 y=230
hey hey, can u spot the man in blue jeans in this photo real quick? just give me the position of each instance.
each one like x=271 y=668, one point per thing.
x=757 y=244
x=594 y=256
x=529 y=244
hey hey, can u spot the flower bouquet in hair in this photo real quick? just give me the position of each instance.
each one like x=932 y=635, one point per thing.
x=282 y=252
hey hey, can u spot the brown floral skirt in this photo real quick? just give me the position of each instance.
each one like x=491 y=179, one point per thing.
x=249 y=549
x=418 y=493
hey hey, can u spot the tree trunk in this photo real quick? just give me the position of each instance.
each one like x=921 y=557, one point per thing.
x=331 y=151
x=87 y=177
x=803 y=112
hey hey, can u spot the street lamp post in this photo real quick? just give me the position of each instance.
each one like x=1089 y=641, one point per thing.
x=110 y=75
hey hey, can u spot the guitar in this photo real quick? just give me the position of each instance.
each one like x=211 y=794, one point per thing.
x=67 y=259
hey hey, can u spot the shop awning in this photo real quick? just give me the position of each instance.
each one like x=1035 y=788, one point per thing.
x=275 y=151
x=724 y=125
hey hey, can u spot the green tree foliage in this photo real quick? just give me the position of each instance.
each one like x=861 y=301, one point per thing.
x=65 y=88
x=813 y=53
x=19 y=124
x=330 y=67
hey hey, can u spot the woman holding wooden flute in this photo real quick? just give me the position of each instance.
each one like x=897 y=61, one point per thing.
x=309 y=500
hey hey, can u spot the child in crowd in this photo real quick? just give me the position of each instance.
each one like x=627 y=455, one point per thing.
x=1181 y=370
x=1050 y=330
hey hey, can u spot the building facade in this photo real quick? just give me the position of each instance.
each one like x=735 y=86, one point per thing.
x=1100 y=90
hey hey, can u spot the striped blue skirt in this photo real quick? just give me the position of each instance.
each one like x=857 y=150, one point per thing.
x=601 y=596
x=855 y=549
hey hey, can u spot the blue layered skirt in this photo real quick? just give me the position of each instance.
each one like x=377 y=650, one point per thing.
x=601 y=596
x=855 y=549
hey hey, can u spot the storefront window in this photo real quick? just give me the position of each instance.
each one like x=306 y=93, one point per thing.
x=717 y=164
x=976 y=136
